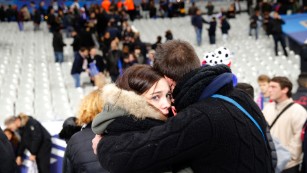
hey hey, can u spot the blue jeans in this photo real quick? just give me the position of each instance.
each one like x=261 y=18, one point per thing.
x=212 y=39
x=198 y=35
x=76 y=77
x=256 y=32
x=59 y=57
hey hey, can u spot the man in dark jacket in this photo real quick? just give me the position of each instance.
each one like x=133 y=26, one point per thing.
x=197 y=22
x=300 y=96
x=79 y=65
x=7 y=157
x=276 y=31
x=208 y=134
x=35 y=138
x=58 y=46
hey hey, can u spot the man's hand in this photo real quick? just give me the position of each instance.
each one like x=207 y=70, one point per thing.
x=18 y=160
x=95 y=142
x=32 y=158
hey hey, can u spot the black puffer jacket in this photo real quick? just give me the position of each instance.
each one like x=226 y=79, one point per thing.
x=79 y=155
x=7 y=156
x=211 y=135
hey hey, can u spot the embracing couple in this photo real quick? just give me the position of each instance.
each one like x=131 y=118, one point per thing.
x=217 y=128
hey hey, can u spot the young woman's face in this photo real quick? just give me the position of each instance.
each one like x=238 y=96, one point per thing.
x=159 y=95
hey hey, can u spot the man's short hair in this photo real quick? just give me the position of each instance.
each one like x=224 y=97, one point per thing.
x=249 y=89
x=284 y=82
x=10 y=120
x=302 y=80
x=175 y=58
x=264 y=78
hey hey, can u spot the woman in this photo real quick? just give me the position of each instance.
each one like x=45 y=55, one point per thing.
x=79 y=156
x=140 y=99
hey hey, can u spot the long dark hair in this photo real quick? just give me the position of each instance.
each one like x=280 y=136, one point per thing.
x=138 y=78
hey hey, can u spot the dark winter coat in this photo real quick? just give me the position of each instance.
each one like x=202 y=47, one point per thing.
x=197 y=21
x=77 y=64
x=112 y=61
x=33 y=137
x=7 y=156
x=300 y=97
x=209 y=135
x=57 y=42
x=76 y=45
x=275 y=26
x=212 y=28
x=79 y=153
x=225 y=26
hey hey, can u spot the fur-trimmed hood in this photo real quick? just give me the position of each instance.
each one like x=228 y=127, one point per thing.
x=119 y=103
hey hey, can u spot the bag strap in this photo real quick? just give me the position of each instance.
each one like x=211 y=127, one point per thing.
x=290 y=104
x=242 y=109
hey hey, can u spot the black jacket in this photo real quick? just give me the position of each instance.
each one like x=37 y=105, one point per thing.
x=79 y=153
x=275 y=26
x=57 y=42
x=7 y=157
x=77 y=64
x=300 y=97
x=33 y=137
x=210 y=135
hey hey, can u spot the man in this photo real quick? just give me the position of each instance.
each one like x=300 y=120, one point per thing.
x=79 y=65
x=264 y=95
x=287 y=128
x=300 y=96
x=7 y=158
x=35 y=138
x=276 y=31
x=197 y=22
x=207 y=134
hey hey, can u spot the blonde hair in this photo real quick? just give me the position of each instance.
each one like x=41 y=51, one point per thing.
x=91 y=105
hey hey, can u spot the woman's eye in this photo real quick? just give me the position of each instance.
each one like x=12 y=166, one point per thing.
x=169 y=96
x=155 y=98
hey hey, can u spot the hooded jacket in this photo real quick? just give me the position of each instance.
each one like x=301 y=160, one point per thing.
x=210 y=135
x=125 y=111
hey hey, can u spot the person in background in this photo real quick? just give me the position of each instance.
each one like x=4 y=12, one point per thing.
x=35 y=138
x=286 y=120
x=211 y=30
x=254 y=23
x=76 y=45
x=264 y=96
x=12 y=137
x=159 y=41
x=225 y=27
x=58 y=46
x=197 y=22
x=248 y=88
x=300 y=96
x=7 y=157
x=210 y=8
x=168 y=35
x=79 y=65
x=70 y=127
x=277 y=33
x=79 y=156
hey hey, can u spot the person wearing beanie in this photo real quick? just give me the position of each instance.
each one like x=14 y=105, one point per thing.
x=208 y=133
x=222 y=55
x=70 y=127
